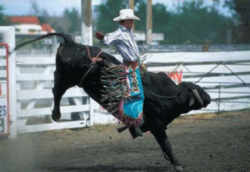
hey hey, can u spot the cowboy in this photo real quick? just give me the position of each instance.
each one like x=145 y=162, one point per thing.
x=123 y=40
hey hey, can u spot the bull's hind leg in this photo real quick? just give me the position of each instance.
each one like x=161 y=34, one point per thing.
x=60 y=86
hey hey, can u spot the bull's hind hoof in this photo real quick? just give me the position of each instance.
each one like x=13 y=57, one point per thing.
x=56 y=116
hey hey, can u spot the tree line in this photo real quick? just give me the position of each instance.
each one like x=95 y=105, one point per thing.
x=192 y=22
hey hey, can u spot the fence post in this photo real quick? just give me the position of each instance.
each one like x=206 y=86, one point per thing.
x=9 y=38
x=86 y=6
x=219 y=98
x=149 y=22
x=12 y=89
x=132 y=6
x=91 y=112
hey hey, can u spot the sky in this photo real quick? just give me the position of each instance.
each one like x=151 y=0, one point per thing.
x=56 y=7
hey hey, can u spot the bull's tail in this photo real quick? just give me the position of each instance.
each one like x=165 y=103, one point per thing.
x=66 y=38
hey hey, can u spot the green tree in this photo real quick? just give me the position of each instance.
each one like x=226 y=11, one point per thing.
x=241 y=10
x=110 y=9
x=106 y=12
x=160 y=16
x=42 y=14
x=70 y=22
x=190 y=22
x=140 y=10
x=196 y=23
x=73 y=19
x=3 y=19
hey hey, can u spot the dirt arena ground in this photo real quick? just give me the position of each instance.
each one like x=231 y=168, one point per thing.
x=202 y=143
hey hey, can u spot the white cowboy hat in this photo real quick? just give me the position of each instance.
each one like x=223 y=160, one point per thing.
x=126 y=14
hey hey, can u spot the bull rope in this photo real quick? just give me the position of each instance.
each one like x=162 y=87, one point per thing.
x=92 y=64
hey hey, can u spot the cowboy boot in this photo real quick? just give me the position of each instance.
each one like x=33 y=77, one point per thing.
x=136 y=131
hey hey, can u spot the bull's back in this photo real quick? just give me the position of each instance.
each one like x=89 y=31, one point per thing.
x=159 y=83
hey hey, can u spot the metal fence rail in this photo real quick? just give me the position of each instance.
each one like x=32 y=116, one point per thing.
x=227 y=82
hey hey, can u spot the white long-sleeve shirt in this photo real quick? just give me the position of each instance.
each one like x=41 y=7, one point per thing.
x=123 y=40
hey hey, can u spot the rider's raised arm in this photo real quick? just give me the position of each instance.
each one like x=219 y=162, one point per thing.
x=109 y=38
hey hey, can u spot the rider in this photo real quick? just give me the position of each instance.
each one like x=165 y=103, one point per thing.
x=123 y=40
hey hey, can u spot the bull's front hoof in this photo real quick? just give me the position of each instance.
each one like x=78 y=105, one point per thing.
x=56 y=116
x=179 y=168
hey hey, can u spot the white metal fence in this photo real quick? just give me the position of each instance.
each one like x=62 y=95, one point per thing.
x=4 y=91
x=31 y=82
x=225 y=75
x=7 y=35
x=34 y=82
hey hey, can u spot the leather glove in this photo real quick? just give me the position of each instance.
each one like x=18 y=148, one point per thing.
x=99 y=35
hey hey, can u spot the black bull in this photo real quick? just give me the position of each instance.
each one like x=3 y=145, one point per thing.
x=164 y=100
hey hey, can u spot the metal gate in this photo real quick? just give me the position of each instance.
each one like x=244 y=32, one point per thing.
x=26 y=100
x=34 y=99
x=4 y=91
